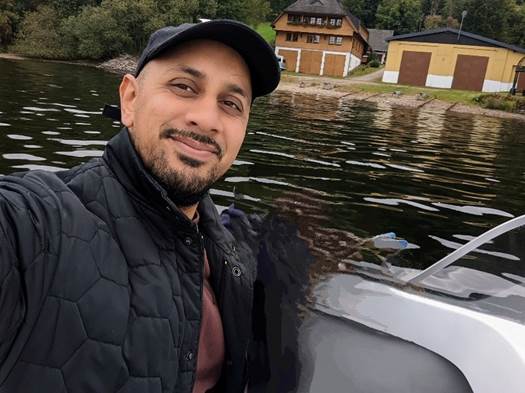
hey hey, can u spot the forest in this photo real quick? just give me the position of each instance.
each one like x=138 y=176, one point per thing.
x=101 y=29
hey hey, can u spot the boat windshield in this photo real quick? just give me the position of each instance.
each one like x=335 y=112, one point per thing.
x=488 y=278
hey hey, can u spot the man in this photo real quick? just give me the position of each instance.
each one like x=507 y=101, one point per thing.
x=117 y=276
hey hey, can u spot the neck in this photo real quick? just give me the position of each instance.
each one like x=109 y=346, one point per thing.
x=189 y=211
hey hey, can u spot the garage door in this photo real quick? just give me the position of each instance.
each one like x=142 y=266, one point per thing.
x=469 y=73
x=521 y=81
x=310 y=62
x=290 y=56
x=334 y=65
x=414 y=68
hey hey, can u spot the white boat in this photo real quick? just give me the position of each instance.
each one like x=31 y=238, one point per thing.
x=445 y=329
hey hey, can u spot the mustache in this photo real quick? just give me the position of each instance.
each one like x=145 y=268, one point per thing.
x=174 y=132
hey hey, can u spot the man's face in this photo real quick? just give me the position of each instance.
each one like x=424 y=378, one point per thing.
x=187 y=113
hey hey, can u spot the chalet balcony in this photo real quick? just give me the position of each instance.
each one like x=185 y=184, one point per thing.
x=323 y=25
x=312 y=21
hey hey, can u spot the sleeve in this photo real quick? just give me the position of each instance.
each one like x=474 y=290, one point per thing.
x=25 y=212
x=11 y=299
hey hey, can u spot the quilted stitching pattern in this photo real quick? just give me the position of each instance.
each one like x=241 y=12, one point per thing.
x=116 y=317
x=105 y=295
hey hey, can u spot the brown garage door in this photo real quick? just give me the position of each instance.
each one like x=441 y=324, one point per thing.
x=414 y=68
x=521 y=81
x=334 y=65
x=470 y=72
x=290 y=56
x=310 y=62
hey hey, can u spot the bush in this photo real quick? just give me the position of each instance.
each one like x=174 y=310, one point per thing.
x=374 y=63
x=8 y=21
x=496 y=101
x=40 y=35
x=94 y=34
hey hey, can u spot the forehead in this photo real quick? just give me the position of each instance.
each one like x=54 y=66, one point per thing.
x=203 y=54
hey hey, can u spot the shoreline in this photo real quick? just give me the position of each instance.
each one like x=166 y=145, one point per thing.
x=407 y=101
x=342 y=89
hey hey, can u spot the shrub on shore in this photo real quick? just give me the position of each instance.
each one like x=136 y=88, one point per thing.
x=40 y=35
x=501 y=102
x=101 y=29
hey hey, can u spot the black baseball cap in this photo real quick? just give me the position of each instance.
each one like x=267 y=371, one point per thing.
x=256 y=52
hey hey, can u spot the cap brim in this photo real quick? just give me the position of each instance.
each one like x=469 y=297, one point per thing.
x=256 y=52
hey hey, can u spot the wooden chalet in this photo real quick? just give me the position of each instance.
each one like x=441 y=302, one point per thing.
x=320 y=37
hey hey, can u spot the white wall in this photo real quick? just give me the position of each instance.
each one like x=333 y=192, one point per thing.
x=390 y=76
x=440 y=81
x=496 y=86
x=354 y=62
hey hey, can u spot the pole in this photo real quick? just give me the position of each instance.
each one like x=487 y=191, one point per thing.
x=463 y=14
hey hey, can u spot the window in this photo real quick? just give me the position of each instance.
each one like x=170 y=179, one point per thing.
x=319 y=21
x=313 y=38
x=335 y=40
x=294 y=19
x=292 y=36
x=333 y=22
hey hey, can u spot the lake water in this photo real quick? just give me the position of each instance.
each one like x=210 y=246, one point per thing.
x=341 y=170
x=338 y=171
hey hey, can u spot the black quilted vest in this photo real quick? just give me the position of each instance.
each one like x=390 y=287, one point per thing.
x=101 y=282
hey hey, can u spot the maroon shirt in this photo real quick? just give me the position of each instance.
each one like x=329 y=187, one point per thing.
x=210 y=357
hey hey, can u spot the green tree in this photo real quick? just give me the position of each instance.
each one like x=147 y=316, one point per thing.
x=66 y=8
x=207 y=9
x=278 y=6
x=437 y=21
x=489 y=17
x=516 y=31
x=256 y=11
x=8 y=22
x=137 y=19
x=40 y=35
x=251 y=12
x=365 y=10
x=94 y=34
x=402 y=16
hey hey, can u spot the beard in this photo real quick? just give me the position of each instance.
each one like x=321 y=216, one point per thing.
x=184 y=188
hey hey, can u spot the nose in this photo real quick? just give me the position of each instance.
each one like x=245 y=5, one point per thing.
x=204 y=115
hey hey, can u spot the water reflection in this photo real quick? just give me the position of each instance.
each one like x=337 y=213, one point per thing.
x=365 y=168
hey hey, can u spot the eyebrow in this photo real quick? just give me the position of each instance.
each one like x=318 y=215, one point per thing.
x=237 y=89
x=192 y=71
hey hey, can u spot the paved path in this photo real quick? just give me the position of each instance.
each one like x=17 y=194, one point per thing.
x=375 y=76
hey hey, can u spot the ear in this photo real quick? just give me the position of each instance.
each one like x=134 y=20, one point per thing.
x=128 y=91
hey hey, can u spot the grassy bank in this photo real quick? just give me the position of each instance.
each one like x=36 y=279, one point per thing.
x=364 y=70
x=499 y=101
x=267 y=32
x=448 y=95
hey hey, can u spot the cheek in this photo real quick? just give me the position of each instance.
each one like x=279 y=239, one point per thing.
x=235 y=140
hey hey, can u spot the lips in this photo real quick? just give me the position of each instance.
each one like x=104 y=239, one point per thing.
x=194 y=149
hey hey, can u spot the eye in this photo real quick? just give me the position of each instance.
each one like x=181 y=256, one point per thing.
x=184 y=87
x=234 y=105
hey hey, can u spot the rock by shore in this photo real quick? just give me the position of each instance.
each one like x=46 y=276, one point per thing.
x=121 y=65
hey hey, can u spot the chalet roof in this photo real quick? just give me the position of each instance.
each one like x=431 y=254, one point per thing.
x=324 y=7
x=450 y=36
x=377 y=39
x=321 y=7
